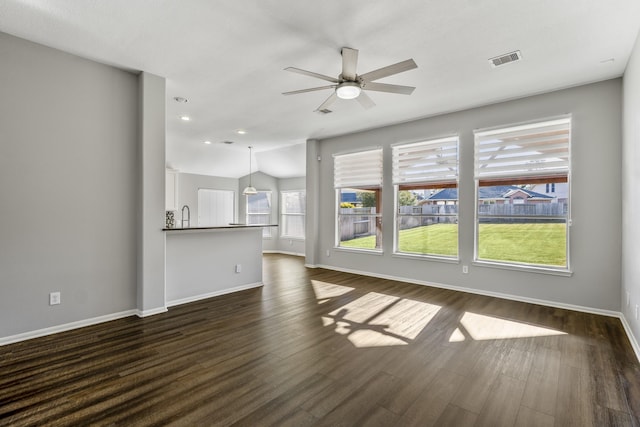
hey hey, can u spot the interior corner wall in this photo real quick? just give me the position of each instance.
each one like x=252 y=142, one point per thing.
x=630 y=298
x=595 y=236
x=312 y=223
x=151 y=194
x=68 y=185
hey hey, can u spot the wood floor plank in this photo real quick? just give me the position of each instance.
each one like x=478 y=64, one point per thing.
x=318 y=347
x=427 y=408
x=541 y=389
x=501 y=409
x=454 y=416
x=528 y=417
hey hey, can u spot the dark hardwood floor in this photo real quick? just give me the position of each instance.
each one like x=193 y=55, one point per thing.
x=316 y=347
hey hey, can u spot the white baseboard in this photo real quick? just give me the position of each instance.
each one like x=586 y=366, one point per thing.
x=312 y=266
x=632 y=338
x=213 y=294
x=65 y=327
x=151 y=312
x=273 y=251
x=591 y=310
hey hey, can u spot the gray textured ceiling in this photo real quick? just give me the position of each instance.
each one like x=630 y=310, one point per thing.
x=227 y=58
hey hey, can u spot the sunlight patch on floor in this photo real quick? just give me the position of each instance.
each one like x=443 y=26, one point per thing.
x=380 y=320
x=482 y=327
x=325 y=291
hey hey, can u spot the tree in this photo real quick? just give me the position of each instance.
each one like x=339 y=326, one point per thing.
x=406 y=198
x=367 y=198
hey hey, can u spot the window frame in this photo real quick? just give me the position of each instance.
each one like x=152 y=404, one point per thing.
x=445 y=181
x=284 y=214
x=524 y=179
x=372 y=180
x=266 y=231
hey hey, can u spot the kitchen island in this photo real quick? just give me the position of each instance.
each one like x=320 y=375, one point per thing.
x=202 y=262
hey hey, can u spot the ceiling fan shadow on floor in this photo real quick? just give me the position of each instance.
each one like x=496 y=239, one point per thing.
x=349 y=85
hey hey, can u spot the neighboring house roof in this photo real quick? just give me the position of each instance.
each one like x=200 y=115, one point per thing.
x=348 y=197
x=494 y=192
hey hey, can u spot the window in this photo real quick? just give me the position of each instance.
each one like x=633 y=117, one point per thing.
x=358 y=184
x=425 y=175
x=215 y=207
x=259 y=210
x=293 y=213
x=523 y=227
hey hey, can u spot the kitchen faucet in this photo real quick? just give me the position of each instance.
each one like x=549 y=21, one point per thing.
x=188 y=217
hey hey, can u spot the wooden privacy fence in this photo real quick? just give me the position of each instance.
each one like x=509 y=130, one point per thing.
x=360 y=222
x=357 y=222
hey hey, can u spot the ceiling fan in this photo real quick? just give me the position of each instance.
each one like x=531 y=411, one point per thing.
x=349 y=85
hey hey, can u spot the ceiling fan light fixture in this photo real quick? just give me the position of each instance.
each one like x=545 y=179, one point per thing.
x=348 y=90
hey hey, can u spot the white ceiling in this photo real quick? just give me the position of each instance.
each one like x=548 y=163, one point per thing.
x=227 y=58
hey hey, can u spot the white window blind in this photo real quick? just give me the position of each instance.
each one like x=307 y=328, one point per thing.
x=532 y=150
x=361 y=169
x=428 y=161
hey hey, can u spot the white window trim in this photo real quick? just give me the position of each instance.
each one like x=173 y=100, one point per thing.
x=266 y=231
x=396 y=190
x=282 y=214
x=339 y=185
x=533 y=268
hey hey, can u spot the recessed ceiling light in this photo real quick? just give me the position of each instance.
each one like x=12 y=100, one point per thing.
x=180 y=99
x=185 y=118
x=241 y=131
x=208 y=142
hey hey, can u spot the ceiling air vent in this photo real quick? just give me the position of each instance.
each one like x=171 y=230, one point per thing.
x=324 y=111
x=505 y=59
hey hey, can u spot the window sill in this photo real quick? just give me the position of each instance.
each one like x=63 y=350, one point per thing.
x=434 y=258
x=359 y=251
x=528 y=268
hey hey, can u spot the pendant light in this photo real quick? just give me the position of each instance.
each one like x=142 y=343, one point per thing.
x=250 y=190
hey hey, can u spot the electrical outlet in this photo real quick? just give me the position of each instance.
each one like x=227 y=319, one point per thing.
x=628 y=299
x=238 y=268
x=328 y=252
x=637 y=309
x=54 y=298
x=465 y=269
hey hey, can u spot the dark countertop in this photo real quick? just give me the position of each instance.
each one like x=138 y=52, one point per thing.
x=220 y=227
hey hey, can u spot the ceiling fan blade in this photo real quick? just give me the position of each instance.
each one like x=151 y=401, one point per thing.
x=365 y=101
x=293 y=92
x=389 y=70
x=349 y=63
x=327 y=102
x=311 y=74
x=384 y=87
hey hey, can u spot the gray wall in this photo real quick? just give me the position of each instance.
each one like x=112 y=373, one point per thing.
x=151 y=194
x=188 y=186
x=631 y=194
x=68 y=161
x=595 y=235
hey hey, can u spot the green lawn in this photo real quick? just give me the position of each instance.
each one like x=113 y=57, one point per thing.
x=543 y=244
